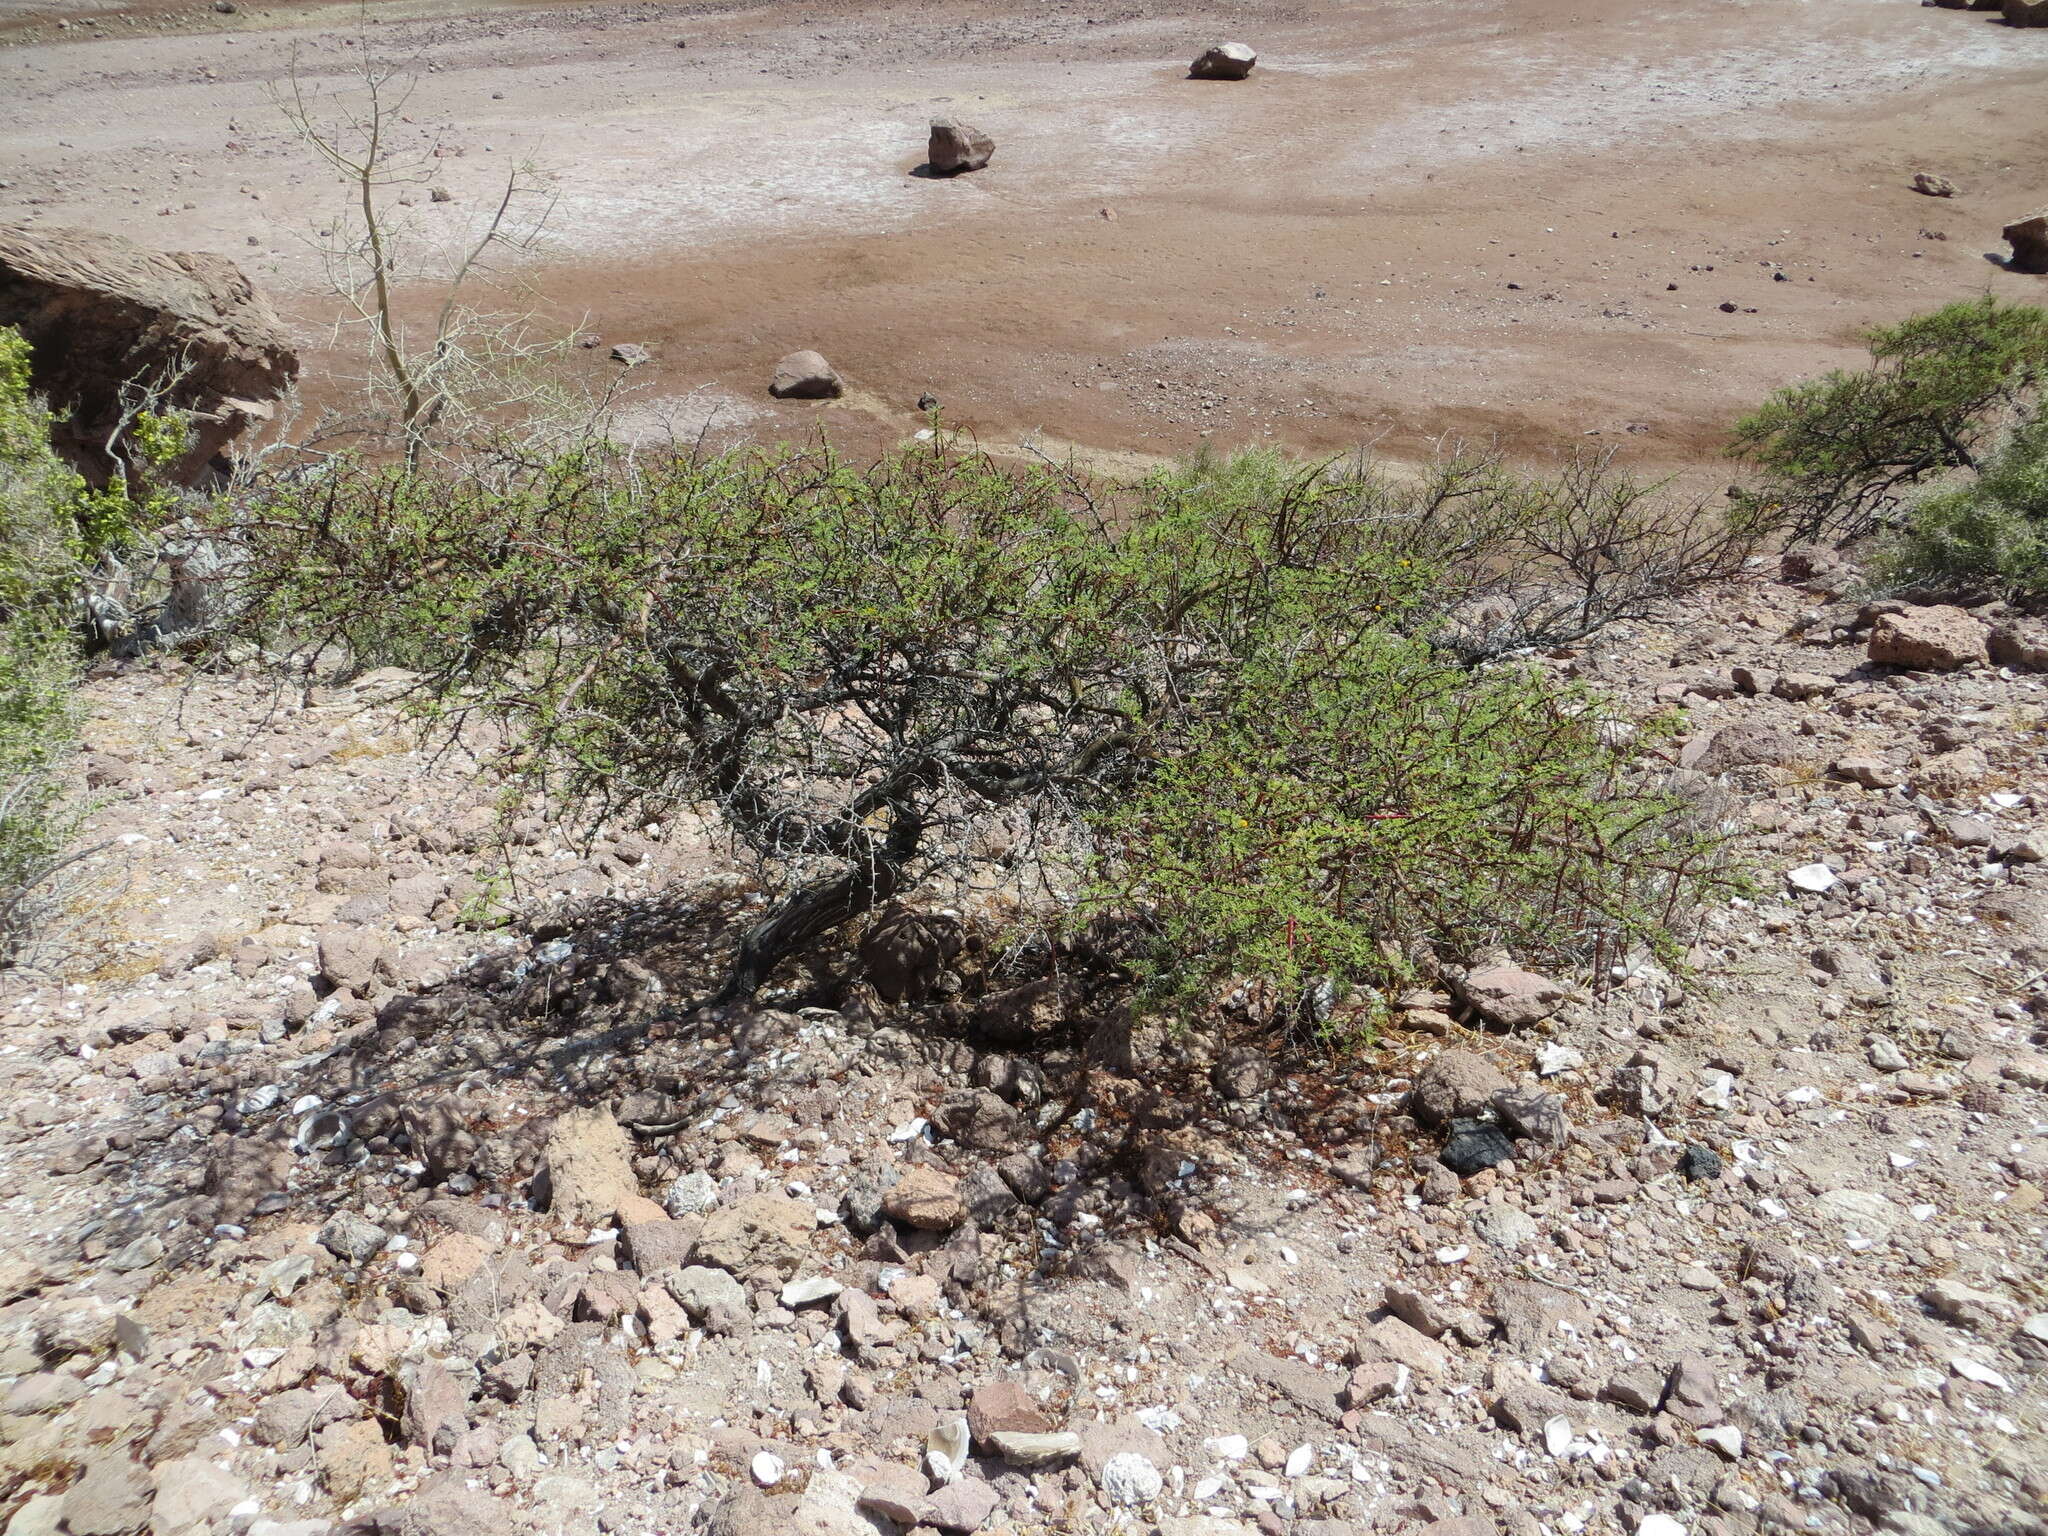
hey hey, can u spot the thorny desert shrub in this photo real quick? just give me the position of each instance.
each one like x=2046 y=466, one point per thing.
x=857 y=667
x=1986 y=539
x=1841 y=455
x=1397 y=807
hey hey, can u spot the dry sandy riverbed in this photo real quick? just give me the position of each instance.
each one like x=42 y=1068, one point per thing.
x=1414 y=220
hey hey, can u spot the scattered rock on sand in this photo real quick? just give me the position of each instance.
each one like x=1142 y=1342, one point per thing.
x=955 y=147
x=1932 y=185
x=631 y=353
x=805 y=376
x=1225 y=61
x=2028 y=237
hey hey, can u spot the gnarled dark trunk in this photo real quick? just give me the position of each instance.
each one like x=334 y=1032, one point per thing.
x=811 y=911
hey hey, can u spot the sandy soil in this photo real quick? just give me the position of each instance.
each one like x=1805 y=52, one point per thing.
x=1516 y=219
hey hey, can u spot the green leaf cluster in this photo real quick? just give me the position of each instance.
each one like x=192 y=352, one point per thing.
x=1986 y=539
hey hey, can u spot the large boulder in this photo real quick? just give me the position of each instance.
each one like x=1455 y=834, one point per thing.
x=2026 y=13
x=103 y=315
x=2028 y=237
x=955 y=147
x=1226 y=61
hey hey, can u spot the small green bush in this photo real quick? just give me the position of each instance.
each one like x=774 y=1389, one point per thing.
x=1361 y=804
x=1987 y=539
x=857 y=667
x=1839 y=455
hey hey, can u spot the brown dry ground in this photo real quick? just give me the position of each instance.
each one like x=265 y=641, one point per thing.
x=1511 y=218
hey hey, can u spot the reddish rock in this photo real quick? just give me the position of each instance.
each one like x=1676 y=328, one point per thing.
x=1511 y=996
x=927 y=1199
x=102 y=314
x=1938 y=639
x=1004 y=1406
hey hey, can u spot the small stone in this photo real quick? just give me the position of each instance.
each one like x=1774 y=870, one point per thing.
x=954 y=147
x=191 y=1491
x=1507 y=1227
x=111 y=1498
x=1935 y=639
x=1537 y=1116
x=964 y=1505
x=1005 y=1406
x=1373 y=1381
x=893 y=1491
x=1129 y=1480
x=764 y=1231
x=1966 y=1307
x=1812 y=878
x=925 y=1198
x=1456 y=1084
x=1861 y=1212
x=1930 y=185
x=1031 y=1451
x=1225 y=61
x=589 y=1161
x=1474 y=1147
x=1639 y=1387
x=1698 y=1162
x=1395 y=1341
x=767 y=1469
x=808 y=1292
x=691 y=1195
x=1870 y=772
x=1510 y=996
x=2028 y=237
x=805 y=376
x=353 y=1239
x=631 y=353
x=700 y=1289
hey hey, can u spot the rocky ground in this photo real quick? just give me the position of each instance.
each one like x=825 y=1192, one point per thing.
x=373 y=1173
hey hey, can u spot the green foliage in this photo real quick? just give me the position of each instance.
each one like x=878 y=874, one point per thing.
x=1836 y=452
x=1987 y=539
x=38 y=726
x=38 y=650
x=1362 y=803
x=856 y=667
